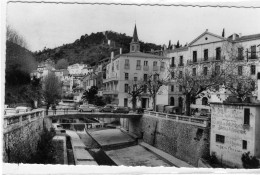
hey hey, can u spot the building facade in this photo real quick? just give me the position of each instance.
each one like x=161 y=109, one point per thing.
x=208 y=52
x=124 y=70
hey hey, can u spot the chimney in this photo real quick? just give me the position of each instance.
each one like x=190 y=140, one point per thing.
x=233 y=36
x=120 y=51
x=112 y=56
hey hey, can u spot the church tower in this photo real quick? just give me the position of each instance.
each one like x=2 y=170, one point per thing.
x=135 y=45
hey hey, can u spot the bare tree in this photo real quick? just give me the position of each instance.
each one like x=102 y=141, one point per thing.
x=136 y=88
x=13 y=36
x=51 y=89
x=154 y=83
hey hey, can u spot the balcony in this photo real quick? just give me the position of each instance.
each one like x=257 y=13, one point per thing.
x=173 y=65
x=240 y=58
x=110 y=79
x=110 y=92
x=155 y=68
x=146 y=68
x=180 y=64
x=253 y=57
x=138 y=67
x=205 y=60
x=127 y=66
x=162 y=69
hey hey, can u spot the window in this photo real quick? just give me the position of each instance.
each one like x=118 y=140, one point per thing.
x=240 y=70
x=126 y=76
x=125 y=102
x=246 y=116
x=253 y=52
x=253 y=86
x=220 y=138
x=180 y=88
x=217 y=69
x=138 y=64
x=172 y=101
x=218 y=53
x=206 y=54
x=240 y=53
x=126 y=88
x=193 y=71
x=145 y=63
x=252 y=68
x=181 y=60
x=244 y=144
x=180 y=74
x=117 y=65
x=155 y=77
x=145 y=77
x=113 y=67
x=155 y=63
x=194 y=56
x=127 y=63
x=205 y=70
x=133 y=48
x=145 y=88
x=135 y=78
x=173 y=62
x=172 y=88
x=162 y=65
x=172 y=74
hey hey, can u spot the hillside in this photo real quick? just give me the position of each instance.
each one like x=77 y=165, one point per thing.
x=90 y=49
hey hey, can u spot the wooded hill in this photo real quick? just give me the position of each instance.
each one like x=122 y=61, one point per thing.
x=90 y=49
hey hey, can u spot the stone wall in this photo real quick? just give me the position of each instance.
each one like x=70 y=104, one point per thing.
x=185 y=141
x=20 y=143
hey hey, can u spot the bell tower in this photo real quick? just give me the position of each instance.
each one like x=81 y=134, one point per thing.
x=135 y=45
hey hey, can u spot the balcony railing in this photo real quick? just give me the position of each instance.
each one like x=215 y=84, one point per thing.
x=155 y=68
x=205 y=60
x=146 y=68
x=110 y=92
x=138 y=67
x=173 y=65
x=253 y=57
x=180 y=64
x=127 y=66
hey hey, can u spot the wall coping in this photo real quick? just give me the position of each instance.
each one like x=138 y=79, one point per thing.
x=202 y=122
x=235 y=104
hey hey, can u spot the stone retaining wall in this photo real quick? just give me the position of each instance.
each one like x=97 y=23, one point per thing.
x=185 y=141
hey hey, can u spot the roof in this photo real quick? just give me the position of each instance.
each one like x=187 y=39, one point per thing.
x=206 y=32
x=135 y=36
x=141 y=55
x=248 y=37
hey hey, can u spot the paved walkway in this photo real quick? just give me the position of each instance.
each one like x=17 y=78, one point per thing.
x=136 y=156
x=81 y=156
x=166 y=156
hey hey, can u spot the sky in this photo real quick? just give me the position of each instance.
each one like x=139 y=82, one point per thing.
x=51 y=25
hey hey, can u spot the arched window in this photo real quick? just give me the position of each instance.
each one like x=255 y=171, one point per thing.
x=204 y=101
x=172 y=101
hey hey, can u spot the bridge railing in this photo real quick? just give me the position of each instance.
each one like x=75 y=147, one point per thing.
x=16 y=120
x=203 y=122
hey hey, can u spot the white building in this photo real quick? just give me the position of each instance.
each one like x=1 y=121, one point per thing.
x=124 y=69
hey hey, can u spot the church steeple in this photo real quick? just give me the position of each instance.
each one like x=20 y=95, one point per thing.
x=135 y=45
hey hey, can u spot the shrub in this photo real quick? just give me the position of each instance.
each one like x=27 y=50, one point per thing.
x=249 y=161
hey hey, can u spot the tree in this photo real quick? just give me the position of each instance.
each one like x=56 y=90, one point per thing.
x=154 y=83
x=136 y=88
x=90 y=95
x=249 y=161
x=13 y=36
x=62 y=64
x=51 y=89
x=194 y=85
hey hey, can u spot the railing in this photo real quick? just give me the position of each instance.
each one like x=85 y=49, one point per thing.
x=155 y=68
x=146 y=68
x=172 y=65
x=138 y=67
x=203 y=122
x=180 y=64
x=127 y=66
x=205 y=60
x=17 y=120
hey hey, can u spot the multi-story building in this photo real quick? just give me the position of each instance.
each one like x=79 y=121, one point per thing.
x=78 y=69
x=134 y=66
x=207 y=52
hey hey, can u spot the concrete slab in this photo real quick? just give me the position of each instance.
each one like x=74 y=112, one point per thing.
x=136 y=156
x=82 y=154
x=175 y=161
x=111 y=137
